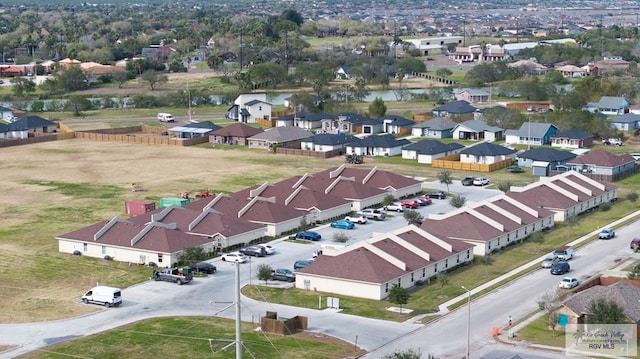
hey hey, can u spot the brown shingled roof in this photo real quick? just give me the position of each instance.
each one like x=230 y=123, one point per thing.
x=602 y=158
x=237 y=130
x=625 y=294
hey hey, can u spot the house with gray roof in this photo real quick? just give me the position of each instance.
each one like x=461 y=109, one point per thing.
x=472 y=95
x=22 y=127
x=436 y=127
x=192 y=130
x=609 y=105
x=304 y=119
x=531 y=133
x=605 y=164
x=325 y=142
x=426 y=151
x=393 y=124
x=477 y=130
x=352 y=123
x=575 y=310
x=454 y=109
x=289 y=137
x=368 y=269
x=572 y=139
x=7 y=114
x=626 y=122
x=544 y=159
x=377 y=145
x=249 y=107
x=486 y=153
x=233 y=134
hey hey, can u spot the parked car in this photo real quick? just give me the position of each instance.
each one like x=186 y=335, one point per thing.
x=467 y=181
x=356 y=218
x=568 y=283
x=515 y=169
x=254 y=251
x=561 y=267
x=422 y=201
x=550 y=261
x=284 y=274
x=302 y=263
x=480 y=181
x=564 y=253
x=410 y=203
x=436 y=195
x=372 y=213
x=267 y=248
x=636 y=156
x=204 y=267
x=607 y=233
x=235 y=257
x=308 y=235
x=396 y=206
x=635 y=244
x=343 y=224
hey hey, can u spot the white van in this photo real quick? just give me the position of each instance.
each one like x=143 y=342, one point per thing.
x=107 y=296
x=165 y=117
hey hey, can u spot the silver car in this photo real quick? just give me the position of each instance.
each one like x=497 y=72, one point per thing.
x=550 y=261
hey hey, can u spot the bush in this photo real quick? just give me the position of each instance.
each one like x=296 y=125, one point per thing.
x=632 y=197
x=605 y=207
x=340 y=237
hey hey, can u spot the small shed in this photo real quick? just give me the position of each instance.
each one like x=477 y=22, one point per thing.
x=138 y=207
x=540 y=168
x=173 y=201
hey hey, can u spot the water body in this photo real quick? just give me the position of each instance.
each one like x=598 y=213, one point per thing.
x=385 y=95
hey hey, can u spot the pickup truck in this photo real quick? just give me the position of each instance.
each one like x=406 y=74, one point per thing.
x=375 y=214
x=176 y=275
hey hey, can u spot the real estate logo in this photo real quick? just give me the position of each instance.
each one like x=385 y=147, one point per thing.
x=610 y=340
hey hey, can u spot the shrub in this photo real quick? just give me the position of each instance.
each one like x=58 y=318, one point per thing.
x=605 y=207
x=632 y=197
x=340 y=237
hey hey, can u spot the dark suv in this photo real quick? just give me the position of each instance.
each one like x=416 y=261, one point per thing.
x=204 y=267
x=254 y=251
x=467 y=181
x=437 y=195
x=561 y=267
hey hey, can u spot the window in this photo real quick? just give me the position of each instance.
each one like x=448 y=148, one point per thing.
x=399 y=282
x=435 y=268
x=85 y=247
x=411 y=277
x=468 y=253
x=259 y=108
x=386 y=287
x=458 y=258
x=424 y=272
x=446 y=263
x=159 y=257
x=104 y=249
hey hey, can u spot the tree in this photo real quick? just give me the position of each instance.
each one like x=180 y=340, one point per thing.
x=550 y=302
x=377 y=108
x=214 y=62
x=605 y=311
x=486 y=261
x=632 y=196
x=71 y=78
x=265 y=272
x=77 y=104
x=190 y=255
x=413 y=217
x=398 y=295
x=634 y=273
x=443 y=278
x=360 y=90
x=406 y=354
x=388 y=199
x=443 y=72
x=445 y=178
x=120 y=77
x=340 y=237
x=22 y=85
x=457 y=201
x=154 y=79
x=505 y=186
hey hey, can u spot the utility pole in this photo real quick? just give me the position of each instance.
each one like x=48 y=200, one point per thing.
x=464 y=32
x=241 y=31
x=238 y=317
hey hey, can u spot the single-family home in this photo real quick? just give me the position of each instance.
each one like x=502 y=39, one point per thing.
x=531 y=133
x=393 y=124
x=454 y=109
x=543 y=159
x=234 y=134
x=248 y=108
x=486 y=153
x=626 y=122
x=406 y=257
x=477 y=130
x=352 y=123
x=529 y=67
x=377 y=145
x=317 y=101
x=571 y=71
x=304 y=119
x=7 y=114
x=426 y=151
x=609 y=105
x=28 y=126
x=325 y=142
x=572 y=139
x=289 y=137
x=192 y=130
x=472 y=95
x=604 y=165
x=436 y=127
x=343 y=72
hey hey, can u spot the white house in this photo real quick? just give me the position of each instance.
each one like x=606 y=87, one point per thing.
x=247 y=108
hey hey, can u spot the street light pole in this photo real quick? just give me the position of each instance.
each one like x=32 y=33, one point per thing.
x=468 y=319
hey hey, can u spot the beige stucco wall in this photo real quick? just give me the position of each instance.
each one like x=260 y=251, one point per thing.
x=121 y=254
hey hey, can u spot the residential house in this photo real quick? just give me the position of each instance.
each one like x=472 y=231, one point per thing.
x=325 y=142
x=317 y=101
x=351 y=123
x=572 y=139
x=575 y=309
x=305 y=119
x=543 y=159
x=454 y=109
x=7 y=114
x=377 y=145
x=233 y=134
x=571 y=71
x=289 y=137
x=604 y=164
x=426 y=151
x=626 y=122
x=566 y=194
x=436 y=127
x=486 y=153
x=434 y=44
x=343 y=72
x=393 y=124
x=531 y=133
x=529 y=67
x=609 y=105
x=368 y=269
x=477 y=130
x=28 y=126
x=192 y=130
x=612 y=65
x=248 y=108
x=472 y=95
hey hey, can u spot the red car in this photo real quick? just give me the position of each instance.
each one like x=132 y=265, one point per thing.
x=410 y=203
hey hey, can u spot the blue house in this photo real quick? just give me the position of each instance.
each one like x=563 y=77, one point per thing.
x=544 y=159
x=531 y=133
x=382 y=145
x=436 y=127
x=609 y=105
x=453 y=109
x=626 y=122
x=426 y=151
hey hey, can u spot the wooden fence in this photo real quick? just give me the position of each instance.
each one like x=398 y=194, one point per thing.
x=452 y=162
x=266 y=122
x=308 y=153
x=270 y=324
x=27 y=141
x=128 y=135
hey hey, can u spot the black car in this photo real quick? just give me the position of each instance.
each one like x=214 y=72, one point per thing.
x=437 y=195
x=284 y=274
x=253 y=251
x=561 y=267
x=204 y=267
x=467 y=181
